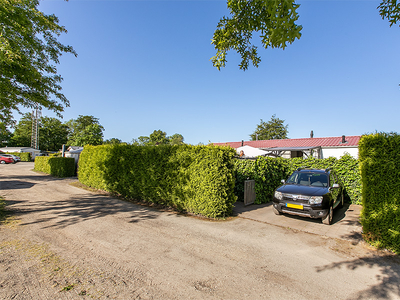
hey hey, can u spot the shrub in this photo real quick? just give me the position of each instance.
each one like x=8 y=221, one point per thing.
x=198 y=179
x=25 y=156
x=56 y=166
x=380 y=172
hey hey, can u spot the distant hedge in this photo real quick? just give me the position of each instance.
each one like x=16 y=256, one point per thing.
x=197 y=179
x=25 y=156
x=56 y=166
x=380 y=170
x=268 y=173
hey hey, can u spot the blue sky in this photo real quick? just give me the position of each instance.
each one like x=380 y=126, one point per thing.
x=145 y=65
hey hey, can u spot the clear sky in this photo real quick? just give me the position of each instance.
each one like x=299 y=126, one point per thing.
x=145 y=65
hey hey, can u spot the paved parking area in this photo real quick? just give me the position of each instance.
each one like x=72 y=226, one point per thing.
x=346 y=221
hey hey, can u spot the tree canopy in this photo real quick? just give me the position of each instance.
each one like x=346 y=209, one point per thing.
x=274 y=20
x=85 y=130
x=29 y=51
x=159 y=137
x=271 y=130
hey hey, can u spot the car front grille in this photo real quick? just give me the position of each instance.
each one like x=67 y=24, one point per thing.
x=296 y=198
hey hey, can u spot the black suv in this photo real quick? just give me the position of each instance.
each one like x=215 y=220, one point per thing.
x=310 y=193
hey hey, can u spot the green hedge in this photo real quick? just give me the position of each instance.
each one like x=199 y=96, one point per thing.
x=197 y=179
x=25 y=156
x=268 y=173
x=380 y=170
x=56 y=166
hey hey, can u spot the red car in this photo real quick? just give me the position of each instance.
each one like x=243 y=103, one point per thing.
x=6 y=159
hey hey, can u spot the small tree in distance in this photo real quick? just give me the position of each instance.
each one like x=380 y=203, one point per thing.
x=271 y=130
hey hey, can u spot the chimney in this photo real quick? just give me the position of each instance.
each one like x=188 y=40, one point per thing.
x=242 y=143
x=312 y=134
x=256 y=136
x=343 y=139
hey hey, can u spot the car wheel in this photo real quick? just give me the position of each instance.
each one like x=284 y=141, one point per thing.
x=277 y=212
x=327 y=220
x=3 y=162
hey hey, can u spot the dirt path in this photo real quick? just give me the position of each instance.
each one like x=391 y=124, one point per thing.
x=67 y=243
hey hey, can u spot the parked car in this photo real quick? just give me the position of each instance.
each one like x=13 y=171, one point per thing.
x=6 y=159
x=14 y=157
x=311 y=193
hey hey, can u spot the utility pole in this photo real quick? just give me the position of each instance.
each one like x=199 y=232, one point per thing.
x=36 y=114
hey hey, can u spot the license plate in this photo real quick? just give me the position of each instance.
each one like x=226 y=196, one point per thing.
x=296 y=206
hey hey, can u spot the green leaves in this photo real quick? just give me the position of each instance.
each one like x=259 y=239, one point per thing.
x=271 y=130
x=380 y=171
x=197 y=179
x=390 y=9
x=274 y=20
x=28 y=51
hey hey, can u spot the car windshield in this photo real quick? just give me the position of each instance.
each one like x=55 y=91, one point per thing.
x=308 y=179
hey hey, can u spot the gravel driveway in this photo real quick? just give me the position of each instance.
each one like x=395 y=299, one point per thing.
x=63 y=242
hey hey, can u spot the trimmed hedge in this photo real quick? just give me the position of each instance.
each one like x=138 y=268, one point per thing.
x=56 y=166
x=197 y=179
x=380 y=169
x=25 y=156
x=268 y=173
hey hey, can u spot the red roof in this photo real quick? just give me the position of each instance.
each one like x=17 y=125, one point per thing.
x=351 y=141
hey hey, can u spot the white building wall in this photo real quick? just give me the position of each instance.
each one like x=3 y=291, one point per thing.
x=339 y=152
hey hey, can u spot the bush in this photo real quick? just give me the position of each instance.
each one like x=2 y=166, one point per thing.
x=56 y=166
x=268 y=173
x=380 y=172
x=25 y=156
x=197 y=179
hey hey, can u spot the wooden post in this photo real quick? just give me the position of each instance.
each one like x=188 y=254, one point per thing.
x=249 y=192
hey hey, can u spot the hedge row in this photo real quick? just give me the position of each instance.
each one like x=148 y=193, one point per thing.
x=56 y=166
x=25 y=156
x=197 y=179
x=268 y=173
x=380 y=169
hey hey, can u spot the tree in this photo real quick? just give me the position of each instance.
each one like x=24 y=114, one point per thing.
x=176 y=139
x=23 y=132
x=5 y=135
x=112 y=141
x=52 y=134
x=271 y=130
x=29 y=51
x=158 y=137
x=274 y=21
x=85 y=130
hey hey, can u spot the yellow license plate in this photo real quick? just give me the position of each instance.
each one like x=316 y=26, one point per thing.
x=297 y=206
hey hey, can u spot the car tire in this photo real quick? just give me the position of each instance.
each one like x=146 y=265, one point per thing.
x=277 y=212
x=3 y=162
x=327 y=220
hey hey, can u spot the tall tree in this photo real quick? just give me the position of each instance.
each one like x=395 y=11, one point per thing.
x=52 y=134
x=23 y=132
x=112 y=141
x=85 y=130
x=5 y=135
x=29 y=51
x=275 y=21
x=271 y=130
x=176 y=139
x=158 y=137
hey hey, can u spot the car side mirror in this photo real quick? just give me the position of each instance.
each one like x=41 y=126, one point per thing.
x=283 y=181
x=336 y=186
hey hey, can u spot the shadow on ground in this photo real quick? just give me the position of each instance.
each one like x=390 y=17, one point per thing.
x=388 y=282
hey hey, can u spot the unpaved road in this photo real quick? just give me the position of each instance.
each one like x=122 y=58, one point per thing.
x=63 y=242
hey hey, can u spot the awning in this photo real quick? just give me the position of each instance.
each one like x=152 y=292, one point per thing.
x=277 y=151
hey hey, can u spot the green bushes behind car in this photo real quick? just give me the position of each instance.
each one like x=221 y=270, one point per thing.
x=197 y=179
x=380 y=170
x=56 y=166
x=25 y=156
x=268 y=173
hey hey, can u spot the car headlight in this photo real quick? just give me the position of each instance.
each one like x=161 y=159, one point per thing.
x=278 y=195
x=315 y=200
